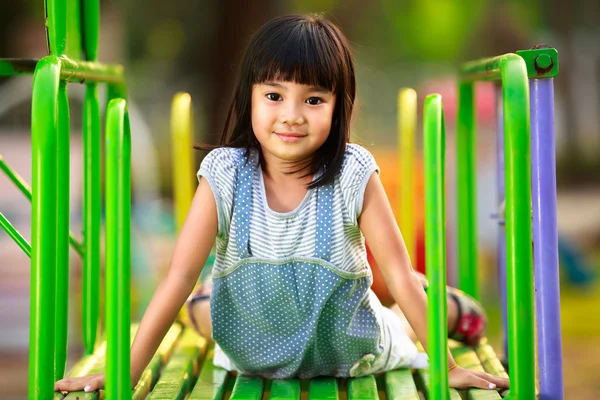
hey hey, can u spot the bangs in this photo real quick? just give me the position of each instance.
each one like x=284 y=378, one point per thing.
x=307 y=54
x=307 y=50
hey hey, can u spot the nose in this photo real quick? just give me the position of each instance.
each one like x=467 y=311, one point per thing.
x=291 y=114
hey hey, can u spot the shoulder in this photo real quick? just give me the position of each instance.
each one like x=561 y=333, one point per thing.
x=357 y=167
x=223 y=158
x=357 y=156
x=357 y=162
x=220 y=168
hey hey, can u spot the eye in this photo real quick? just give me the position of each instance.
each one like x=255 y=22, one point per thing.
x=313 y=101
x=273 y=96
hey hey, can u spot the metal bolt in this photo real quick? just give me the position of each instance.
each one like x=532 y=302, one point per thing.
x=543 y=62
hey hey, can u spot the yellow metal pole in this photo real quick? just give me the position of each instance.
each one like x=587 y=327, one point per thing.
x=407 y=126
x=181 y=133
x=183 y=169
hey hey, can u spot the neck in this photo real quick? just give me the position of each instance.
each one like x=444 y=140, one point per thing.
x=280 y=171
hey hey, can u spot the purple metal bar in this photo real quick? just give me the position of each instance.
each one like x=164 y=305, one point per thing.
x=545 y=238
x=501 y=263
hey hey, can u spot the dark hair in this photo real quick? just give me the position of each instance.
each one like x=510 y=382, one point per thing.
x=305 y=49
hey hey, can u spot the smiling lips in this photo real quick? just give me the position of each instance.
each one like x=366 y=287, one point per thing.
x=290 y=136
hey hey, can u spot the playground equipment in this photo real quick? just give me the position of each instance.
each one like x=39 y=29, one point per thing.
x=174 y=370
x=526 y=165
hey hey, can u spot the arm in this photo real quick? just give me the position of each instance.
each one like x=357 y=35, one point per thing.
x=381 y=232
x=192 y=248
x=191 y=251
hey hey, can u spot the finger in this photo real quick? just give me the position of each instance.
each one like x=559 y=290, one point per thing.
x=68 y=385
x=481 y=383
x=93 y=385
x=498 y=381
x=59 y=384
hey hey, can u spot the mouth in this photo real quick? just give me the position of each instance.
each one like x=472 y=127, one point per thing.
x=290 y=136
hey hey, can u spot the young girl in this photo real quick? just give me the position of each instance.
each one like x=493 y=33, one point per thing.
x=290 y=204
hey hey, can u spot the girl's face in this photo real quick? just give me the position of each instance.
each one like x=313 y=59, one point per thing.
x=290 y=120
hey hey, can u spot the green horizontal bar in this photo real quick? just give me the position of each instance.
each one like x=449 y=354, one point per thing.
x=481 y=70
x=16 y=67
x=15 y=235
x=71 y=70
x=26 y=190
x=541 y=63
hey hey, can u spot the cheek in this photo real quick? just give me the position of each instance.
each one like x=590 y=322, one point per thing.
x=260 y=118
x=324 y=121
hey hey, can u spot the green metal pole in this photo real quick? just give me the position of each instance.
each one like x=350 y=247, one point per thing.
x=118 y=213
x=92 y=209
x=62 y=234
x=92 y=192
x=71 y=70
x=435 y=246
x=15 y=235
x=44 y=127
x=517 y=159
x=467 y=199
x=91 y=28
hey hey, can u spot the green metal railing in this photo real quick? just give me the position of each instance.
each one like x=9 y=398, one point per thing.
x=73 y=30
x=511 y=70
x=50 y=219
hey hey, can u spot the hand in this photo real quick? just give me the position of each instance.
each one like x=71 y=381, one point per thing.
x=461 y=378
x=88 y=383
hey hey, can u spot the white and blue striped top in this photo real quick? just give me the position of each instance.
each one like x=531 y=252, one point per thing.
x=278 y=236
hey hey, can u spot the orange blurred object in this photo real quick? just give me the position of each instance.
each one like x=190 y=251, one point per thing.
x=379 y=286
x=388 y=163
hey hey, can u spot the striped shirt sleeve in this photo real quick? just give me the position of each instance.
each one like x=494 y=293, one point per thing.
x=219 y=168
x=357 y=168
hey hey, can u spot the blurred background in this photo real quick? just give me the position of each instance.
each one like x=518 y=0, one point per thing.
x=196 y=45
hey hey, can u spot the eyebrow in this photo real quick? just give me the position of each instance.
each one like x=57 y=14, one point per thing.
x=317 y=89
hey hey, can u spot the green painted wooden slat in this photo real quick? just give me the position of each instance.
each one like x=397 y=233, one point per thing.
x=363 y=388
x=467 y=358
x=400 y=385
x=323 y=389
x=82 y=396
x=492 y=364
x=285 y=389
x=94 y=364
x=177 y=377
x=480 y=394
x=422 y=381
x=247 y=388
x=152 y=371
x=83 y=366
x=212 y=382
x=489 y=360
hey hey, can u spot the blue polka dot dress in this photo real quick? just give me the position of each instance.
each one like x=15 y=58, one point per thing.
x=297 y=314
